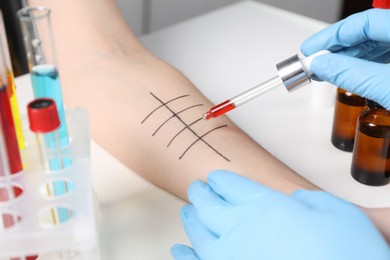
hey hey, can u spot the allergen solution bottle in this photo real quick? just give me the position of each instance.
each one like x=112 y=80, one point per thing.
x=371 y=153
x=347 y=109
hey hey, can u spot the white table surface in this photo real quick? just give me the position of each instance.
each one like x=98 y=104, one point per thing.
x=224 y=53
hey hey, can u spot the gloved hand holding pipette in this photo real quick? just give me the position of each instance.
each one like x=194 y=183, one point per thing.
x=360 y=46
x=363 y=38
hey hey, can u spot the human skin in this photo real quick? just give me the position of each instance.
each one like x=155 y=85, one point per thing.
x=104 y=68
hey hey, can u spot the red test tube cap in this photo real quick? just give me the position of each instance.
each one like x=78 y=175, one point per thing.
x=381 y=4
x=43 y=115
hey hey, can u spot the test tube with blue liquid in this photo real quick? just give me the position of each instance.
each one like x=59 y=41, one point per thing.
x=40 y=49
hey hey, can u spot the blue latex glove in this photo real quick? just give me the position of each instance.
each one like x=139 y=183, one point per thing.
x=232 y=217
x=360 y=46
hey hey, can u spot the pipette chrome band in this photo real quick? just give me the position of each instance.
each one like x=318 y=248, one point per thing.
x=292 y=73
x=295 y=72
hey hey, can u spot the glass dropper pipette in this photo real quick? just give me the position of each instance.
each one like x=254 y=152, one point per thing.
x=293 y=73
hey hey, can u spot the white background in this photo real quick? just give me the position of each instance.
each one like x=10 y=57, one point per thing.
x=146 y=16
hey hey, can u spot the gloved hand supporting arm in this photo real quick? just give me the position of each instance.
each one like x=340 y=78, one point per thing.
x=232 y=217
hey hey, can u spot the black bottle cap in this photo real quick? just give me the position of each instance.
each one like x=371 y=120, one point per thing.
x=373 y=104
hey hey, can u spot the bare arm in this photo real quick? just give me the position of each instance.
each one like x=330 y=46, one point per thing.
x=381 y=218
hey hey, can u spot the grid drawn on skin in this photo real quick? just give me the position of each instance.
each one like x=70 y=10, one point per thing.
x=186 y=126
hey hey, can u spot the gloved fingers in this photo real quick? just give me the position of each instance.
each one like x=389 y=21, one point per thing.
x=236 y=189
x=355 y=29
x=377 y=54
x=211 y=209
x=214 y=212
x=183 y=252
x=361 y=77
x=201 y=194
x=383 y=58
x=368 y=50
x=198 y=234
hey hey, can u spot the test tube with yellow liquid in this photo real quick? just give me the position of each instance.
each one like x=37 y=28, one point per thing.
x=11 y=85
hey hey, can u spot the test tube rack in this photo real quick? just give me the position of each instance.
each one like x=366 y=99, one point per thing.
x=28 y=209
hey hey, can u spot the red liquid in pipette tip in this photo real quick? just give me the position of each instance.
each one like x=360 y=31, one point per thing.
x=219 y=110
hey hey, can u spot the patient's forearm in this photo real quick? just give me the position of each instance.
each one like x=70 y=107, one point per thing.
x=148 y=115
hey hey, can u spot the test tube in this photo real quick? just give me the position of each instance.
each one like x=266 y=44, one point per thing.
x=11 y=85
x=45 y=123
x=39 y=45
x=6 y=193
x=40 y=49
x=7 y=120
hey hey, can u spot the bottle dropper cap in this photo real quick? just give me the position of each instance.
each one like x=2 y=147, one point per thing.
x=43 y=115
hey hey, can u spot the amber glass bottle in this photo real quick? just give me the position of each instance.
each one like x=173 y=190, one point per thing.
x=371 y=153
x=347 y=109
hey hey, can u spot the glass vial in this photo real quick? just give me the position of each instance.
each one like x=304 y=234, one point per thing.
x=347 y=109
x=371 y=153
